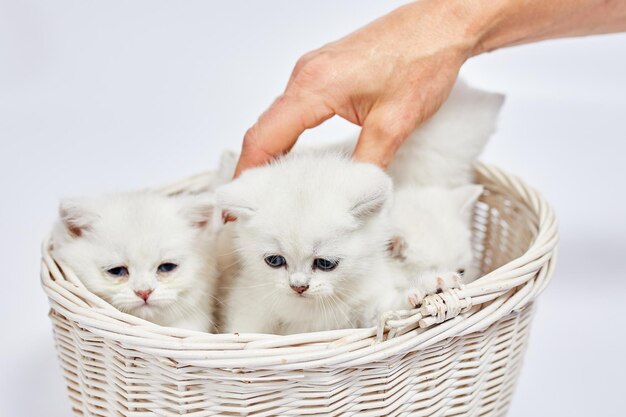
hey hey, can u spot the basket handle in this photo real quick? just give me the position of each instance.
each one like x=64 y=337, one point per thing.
x=435 y=308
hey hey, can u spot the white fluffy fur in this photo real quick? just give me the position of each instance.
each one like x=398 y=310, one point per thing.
x=433 y=236
x=303 y=207
x=141 y=231
x=441 y=152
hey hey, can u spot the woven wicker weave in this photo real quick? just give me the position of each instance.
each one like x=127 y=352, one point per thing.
x=459 y=355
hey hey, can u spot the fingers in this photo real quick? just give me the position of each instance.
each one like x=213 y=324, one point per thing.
x=278 y=129
x=383 y=132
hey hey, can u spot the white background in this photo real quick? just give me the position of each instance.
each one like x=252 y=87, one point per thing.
x=98 y=97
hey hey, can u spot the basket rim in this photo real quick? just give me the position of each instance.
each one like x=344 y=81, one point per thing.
x=456 y=312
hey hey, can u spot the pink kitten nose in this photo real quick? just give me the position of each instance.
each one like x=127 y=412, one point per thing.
x=143 y=294
x=301 y=289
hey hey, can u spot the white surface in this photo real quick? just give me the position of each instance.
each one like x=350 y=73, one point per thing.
x=105 y=96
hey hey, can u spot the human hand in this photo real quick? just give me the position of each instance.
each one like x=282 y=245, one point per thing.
x=387 y=77
x=394 y=73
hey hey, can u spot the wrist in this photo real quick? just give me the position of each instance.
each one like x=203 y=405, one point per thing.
x=495 y=24
x=462 y=26
x=473 y=27
x=474 y=22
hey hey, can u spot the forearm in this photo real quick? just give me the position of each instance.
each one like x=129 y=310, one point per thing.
x=500 y=23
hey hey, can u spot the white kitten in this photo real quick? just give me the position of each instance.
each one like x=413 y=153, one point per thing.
x=311 y=237
x=437 y=230
x=146 y=254
x=433 y=242
x=442 y=151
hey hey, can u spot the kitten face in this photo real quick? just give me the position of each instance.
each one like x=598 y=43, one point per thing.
x=434 y=225
x=308 y=226
x=301 y=261
x=141 y=252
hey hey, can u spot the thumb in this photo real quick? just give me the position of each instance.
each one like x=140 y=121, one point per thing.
x=278 y=129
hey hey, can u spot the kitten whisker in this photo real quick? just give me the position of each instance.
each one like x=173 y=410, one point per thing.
x=348 y=297
x=339 y=303
x=330 y=307
x=237 y=262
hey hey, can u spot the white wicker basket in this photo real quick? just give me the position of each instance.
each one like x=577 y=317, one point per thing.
x=459 y=355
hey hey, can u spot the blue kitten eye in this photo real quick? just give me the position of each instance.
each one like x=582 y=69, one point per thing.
x=461 y=271
x=325 y=264
x=118 y=271
x=275 y=261
x=166 y=267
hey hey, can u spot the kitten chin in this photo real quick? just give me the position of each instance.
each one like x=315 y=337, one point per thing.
x=146 y=254
x=311 y=245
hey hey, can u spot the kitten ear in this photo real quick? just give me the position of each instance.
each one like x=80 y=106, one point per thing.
x=372 y=190
x=199 y=209
x=466 y=197
x=227 y=165
x=397 y=247
x=234 y=200
x=76 y=216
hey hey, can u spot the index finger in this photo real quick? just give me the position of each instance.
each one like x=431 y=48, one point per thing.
x=278 y=129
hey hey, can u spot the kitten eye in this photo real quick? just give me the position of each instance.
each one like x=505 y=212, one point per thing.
x=325 y=264
x=118 y=271
x=166 y=267
x=275 y=261
x=461 y=271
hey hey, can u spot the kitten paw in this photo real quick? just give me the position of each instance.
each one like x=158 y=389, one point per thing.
x=434 y=283
x=415 y=298
x=447 y=281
